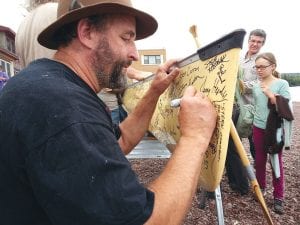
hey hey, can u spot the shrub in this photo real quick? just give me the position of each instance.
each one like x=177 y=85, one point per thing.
x=292 y=78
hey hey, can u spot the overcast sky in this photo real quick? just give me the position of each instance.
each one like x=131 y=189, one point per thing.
x=213 y=18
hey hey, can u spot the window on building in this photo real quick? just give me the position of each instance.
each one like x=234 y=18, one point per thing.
x=3 y=65
x=10 y=45
x=152 y=60
x=6 y=67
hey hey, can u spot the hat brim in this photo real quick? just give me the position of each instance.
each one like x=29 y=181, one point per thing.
x=146 y=25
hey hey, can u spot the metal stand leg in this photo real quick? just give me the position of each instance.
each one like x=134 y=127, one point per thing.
x=219 y=206
x=204 y=195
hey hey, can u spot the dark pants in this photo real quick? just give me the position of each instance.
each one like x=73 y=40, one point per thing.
x=251 y=145
x=118 y=115
x=237 y=176
x=123 y=113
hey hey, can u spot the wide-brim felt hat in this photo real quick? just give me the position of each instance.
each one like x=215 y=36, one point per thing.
x=73 y=10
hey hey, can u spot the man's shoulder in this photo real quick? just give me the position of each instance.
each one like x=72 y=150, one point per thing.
x=44 y=70
x=41 y=65
x=47 y=78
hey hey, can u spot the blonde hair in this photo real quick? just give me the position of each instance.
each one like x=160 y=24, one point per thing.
x=271 y=59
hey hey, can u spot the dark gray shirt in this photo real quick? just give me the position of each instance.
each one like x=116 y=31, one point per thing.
x=60 y=162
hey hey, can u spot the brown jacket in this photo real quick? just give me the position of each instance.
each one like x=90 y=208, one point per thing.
x=276 y=115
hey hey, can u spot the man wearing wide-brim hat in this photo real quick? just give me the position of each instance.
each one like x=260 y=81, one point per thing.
x=62 y=160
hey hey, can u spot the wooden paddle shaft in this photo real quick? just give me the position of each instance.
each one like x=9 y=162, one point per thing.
x=255 y=186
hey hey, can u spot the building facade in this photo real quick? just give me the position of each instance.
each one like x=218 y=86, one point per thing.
x=7 y=50
x=150 y=59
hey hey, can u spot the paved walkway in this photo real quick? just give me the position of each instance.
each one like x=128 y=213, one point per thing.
x=149 y=149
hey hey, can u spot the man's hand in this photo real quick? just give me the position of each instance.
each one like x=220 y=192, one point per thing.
x=164 y=76
x=133 y=128
x=197 y=115
x=197 y=118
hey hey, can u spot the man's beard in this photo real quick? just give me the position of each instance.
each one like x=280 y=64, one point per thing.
x=116 y=78
x=103 y=57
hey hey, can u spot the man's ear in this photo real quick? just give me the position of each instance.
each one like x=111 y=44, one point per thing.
x=86 y=33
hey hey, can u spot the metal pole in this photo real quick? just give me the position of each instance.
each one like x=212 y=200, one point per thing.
x=219 y=205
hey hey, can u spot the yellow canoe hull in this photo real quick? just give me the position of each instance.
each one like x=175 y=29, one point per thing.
x=215 y=75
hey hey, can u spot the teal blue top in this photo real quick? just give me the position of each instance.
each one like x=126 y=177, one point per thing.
x=280 y=87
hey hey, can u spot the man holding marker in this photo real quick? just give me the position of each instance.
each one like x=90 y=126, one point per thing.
x=62 y=159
